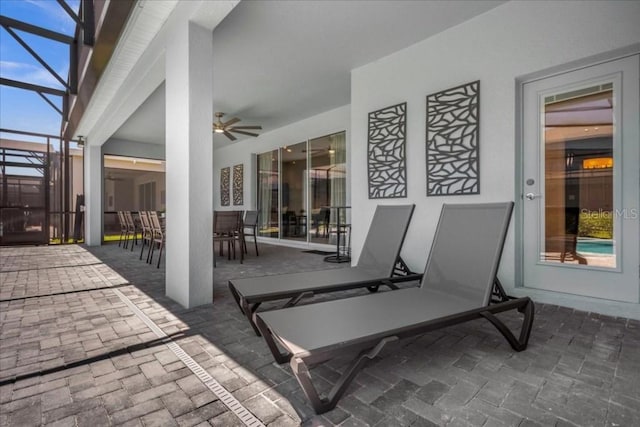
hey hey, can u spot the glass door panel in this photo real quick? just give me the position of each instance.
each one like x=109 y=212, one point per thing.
x=579 y=178
x=327 y=184
x=268 y=194
x=294 y=192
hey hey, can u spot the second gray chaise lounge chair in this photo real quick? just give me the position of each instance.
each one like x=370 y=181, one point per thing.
x=457 y=286
x=376 y=266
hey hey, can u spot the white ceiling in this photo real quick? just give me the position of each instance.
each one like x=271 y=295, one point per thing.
x=277 y=62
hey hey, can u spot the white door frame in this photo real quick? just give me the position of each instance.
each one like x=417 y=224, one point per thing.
x=586 y=303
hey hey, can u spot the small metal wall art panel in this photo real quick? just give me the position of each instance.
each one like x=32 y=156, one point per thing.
x=453 y=130
x=238 y=185
x=386 y=152
x=224 y=186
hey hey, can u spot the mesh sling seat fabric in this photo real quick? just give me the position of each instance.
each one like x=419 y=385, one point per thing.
x=376 y=266
x=457 y=286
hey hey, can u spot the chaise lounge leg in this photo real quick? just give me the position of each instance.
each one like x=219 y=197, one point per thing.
x=279 y=356
x=324 y=404
x=245 y=308
x=523 y=305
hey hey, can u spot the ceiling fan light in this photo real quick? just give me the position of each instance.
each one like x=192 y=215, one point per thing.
x=218 y=130
x=331 y=151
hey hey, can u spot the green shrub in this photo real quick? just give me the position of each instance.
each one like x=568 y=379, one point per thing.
x=597 y=224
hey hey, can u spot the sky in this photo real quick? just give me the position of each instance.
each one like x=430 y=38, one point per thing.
x=22 y=109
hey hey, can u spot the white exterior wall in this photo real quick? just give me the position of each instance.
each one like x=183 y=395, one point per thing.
x=326 y=123
x=509 y=41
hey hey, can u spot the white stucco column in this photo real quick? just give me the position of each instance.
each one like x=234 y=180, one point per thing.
x=93 y=194
x=189 y=166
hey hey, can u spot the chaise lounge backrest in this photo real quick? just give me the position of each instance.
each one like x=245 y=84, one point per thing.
x=465 y=254
x=384 y=240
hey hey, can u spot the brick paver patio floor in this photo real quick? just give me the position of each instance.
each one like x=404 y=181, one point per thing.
x=72 y=352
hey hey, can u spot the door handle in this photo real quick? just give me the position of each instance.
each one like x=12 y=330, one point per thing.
x=531 y=196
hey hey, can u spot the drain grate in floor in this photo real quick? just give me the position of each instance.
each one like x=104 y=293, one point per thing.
x=222 y=393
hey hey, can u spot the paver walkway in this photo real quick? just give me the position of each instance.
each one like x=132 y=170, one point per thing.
x=81 y=356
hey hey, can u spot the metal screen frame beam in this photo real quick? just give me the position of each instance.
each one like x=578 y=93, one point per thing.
x=33 y=29
x=48 y=101
x=84 y=20
x=37 y=57
x=31 y=86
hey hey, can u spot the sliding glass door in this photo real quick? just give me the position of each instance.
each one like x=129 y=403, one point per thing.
x=297 y=185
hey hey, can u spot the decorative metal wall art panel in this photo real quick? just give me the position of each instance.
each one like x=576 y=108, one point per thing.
x=224 y=186
x=238 y=185
x=453 y=129
x=386 y=152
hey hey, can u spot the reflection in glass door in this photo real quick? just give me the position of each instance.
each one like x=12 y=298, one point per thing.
x=579 y=177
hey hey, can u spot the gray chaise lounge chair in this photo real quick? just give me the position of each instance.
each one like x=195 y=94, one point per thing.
x=457 y=286
x=376 y=266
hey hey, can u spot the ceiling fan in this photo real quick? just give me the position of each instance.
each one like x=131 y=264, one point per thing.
x=227 y=127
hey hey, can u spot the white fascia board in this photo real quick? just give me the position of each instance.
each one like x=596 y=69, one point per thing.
x=137 y=66
x=145 y=22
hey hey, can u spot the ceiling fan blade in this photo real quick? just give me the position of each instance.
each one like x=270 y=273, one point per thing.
x=230 y=122
x=228 y=135
x=243 y=132
x=244 y=127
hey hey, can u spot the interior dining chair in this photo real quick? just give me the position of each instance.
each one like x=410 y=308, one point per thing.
x=159 y=236
x=124 y=230
x=147 y=233
x=251 y=224
x=132 y=228
x=227 y=227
